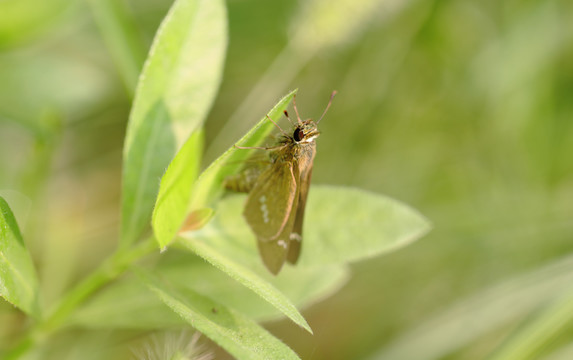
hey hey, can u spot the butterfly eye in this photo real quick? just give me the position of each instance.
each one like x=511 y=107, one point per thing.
x=298 y=134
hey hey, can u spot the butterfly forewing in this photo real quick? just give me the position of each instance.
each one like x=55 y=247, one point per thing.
x=274 y=253
x=270 y=212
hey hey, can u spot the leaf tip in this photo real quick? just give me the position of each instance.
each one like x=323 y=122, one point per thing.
x=308 y=328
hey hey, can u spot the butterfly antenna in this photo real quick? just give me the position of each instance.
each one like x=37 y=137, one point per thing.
x=286 y=114
x=277 y=125
x=295 y=109
x=327 y=106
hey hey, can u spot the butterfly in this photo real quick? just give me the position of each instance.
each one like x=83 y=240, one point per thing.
x=278 y=189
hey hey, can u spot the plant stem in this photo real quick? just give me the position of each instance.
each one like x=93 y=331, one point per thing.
x=120 y=34
x=110 y=269
x=535 y=336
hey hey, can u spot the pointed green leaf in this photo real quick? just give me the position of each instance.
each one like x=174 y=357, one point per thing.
x=175 y=190
x=18 y=281
x=127 y=304
x=240 y=336
x=248 y=278
x=175 y=92
x=346 y=225
x=209 y=184
x=302 y=286
x=341 y=225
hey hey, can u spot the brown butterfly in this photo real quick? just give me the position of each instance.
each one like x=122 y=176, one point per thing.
x=278 y=189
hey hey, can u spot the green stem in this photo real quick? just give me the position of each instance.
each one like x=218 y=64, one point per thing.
x=120 y=34
x=108 y=271
x=537 y=335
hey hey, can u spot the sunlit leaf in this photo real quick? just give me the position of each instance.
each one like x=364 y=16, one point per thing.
x=240 y=336
x=342 y=225
x=176 y=184
x=18 y=281
x=175 y=92
x=175 y=190
x=209 y=184
x=347 y=224
x=248 y=278
x=127 y=304
x=302 y=286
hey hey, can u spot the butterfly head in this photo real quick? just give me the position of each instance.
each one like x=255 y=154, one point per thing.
x=305 y=132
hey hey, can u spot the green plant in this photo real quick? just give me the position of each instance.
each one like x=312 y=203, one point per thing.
x=226 y=296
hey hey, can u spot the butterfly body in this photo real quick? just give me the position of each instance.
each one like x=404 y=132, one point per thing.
x=278 y=190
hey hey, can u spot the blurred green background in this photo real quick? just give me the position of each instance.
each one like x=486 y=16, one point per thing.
x=462 y=109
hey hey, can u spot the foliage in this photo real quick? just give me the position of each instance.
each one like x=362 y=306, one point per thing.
x=18 y=283
x=176 y=88
x=461 y=109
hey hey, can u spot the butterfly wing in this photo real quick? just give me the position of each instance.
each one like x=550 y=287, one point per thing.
x=270 y=211
x=295 y=236
x=245 y=180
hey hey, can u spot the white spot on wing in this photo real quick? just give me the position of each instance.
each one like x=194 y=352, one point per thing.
x=264 y=209
x=282 y=243
x=295 y=236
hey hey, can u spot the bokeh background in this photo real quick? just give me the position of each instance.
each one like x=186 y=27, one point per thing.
x=462 y=109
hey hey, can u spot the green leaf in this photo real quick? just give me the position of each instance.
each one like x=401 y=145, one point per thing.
x=237 y=334
x=486 y=311
x=18 y=281
x=346 y=225
x=209 y=184
x=248 y=278
x=127 y=304
x=342 y=225
x=302 y=286
x=175 y=190
x=175 y=92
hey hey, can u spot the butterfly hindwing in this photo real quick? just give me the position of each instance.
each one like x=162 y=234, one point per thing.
x=274 y=253
x=295 y=236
